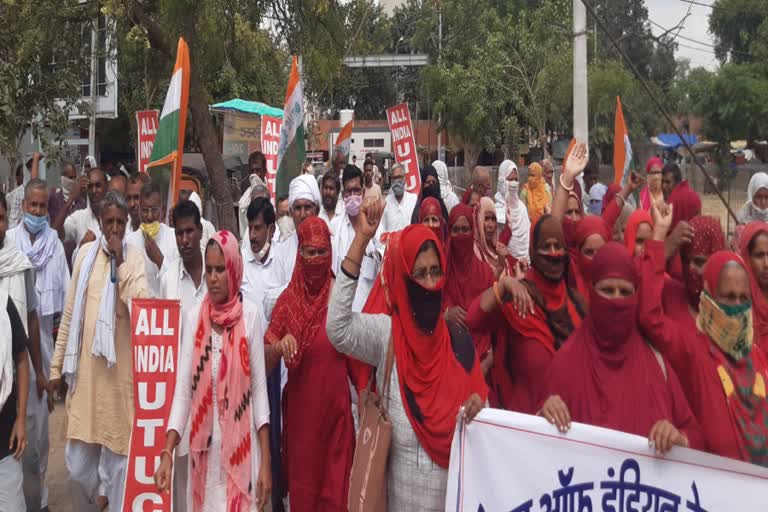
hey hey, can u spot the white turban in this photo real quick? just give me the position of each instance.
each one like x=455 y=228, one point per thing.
x=198 y=202
x=442 y=177
x=304 y=187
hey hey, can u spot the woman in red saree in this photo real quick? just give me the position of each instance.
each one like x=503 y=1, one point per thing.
x=686 y=204
x=532 y=318
x=318 y=429
x=721 y=371
x=590 y=235
x=467 y=277
x=681 y=297
x=594 y=378
x=431 y=215
x=639 y=229
x=754 y=251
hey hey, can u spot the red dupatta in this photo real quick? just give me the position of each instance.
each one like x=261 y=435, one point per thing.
x=759 y=303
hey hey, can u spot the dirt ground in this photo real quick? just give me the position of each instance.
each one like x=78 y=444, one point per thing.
x=58 y=483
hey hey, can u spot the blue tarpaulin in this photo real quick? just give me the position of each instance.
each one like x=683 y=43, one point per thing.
x=672 y=140
x=249 y=107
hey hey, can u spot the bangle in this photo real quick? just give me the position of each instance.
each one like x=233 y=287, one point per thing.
x=166 y=452
x=353 y=262
x=496 y=293
x=569 y=189
x=619 y=198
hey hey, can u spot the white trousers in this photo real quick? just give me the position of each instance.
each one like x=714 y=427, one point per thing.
x=35 y=459
x=11 y=487
x=180 y=483
x=95 y=470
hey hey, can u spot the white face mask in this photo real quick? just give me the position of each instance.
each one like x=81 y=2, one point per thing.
x=66 y=185
x=265 y=249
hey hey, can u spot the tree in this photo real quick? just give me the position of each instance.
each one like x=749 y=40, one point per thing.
x=230 y=55
x=41 y=68
x=736 y=26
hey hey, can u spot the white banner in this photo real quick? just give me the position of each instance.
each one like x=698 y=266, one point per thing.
x=510 y=462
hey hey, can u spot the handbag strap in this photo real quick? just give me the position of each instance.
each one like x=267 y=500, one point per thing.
x=390 y=361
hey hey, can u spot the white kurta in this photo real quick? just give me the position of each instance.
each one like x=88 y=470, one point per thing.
x=166 y=242
x=369 y=267
x=216 y=483
x=396 y=215
x=78 y=223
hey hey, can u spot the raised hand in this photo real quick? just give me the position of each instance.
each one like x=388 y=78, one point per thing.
x=370 y=217
x=576 y=162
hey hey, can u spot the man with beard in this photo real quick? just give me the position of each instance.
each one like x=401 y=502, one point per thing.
x=82 y=226
x=399 y=204
x=96 y=362
x=34 y=238
x=329 y=191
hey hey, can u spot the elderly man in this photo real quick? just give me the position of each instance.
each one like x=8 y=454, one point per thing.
x=35 y=239
x=119 y=184
x=133 y=197
x=399 y=204
x=481 y=183
x=82 y=226
x=16 y=196
x=257 y=169
x=93 y=355
x=154 y=239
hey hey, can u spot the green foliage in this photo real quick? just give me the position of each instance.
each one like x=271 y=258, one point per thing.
x=739 y=28
x=42 y=65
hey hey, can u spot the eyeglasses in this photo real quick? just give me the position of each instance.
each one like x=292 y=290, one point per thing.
x=422 y=274
x=352 y=192
x=396 y=178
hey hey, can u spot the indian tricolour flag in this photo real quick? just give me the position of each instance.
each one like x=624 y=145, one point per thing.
x=622 y=149
x=164 y=165
x=291 y=152
x=344 y=140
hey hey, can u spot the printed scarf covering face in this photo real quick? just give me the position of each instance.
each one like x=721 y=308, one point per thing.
x=233 y=389
x=104 y=334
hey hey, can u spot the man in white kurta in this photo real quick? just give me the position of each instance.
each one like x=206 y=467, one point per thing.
x=97 y=363
x=399 y=205
x=36 y=240
x=154 y=239
x=183 y=279
x=352 y=192
x=82 y=226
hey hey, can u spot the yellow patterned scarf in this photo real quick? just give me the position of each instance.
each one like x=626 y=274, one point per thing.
x=729 y=327
x=151 y=229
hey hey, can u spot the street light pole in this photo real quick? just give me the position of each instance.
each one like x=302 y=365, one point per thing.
x=440 y=155
x=580 y=98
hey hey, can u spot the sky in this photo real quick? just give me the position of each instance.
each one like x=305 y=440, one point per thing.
x=668 y=13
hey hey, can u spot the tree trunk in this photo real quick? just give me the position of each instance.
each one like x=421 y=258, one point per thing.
x=214 y=164
x=471 y=155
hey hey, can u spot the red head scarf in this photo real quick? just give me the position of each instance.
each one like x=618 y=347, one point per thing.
x=610 y=194
x=427 y=367
x=708 y=239
x=588 y=226
x=598 y=369
x=637 y=218
x=301 y=308
x=686 y=204
x=654 y=161
x=232 y=392
x=467 y=276
x=431 y=206
x=715 y=265
x=759 y=304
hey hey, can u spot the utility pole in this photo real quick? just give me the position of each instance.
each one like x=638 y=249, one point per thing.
x=94 y=85
x=580 y=98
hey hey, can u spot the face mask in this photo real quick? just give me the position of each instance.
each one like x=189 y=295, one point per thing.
x=263 y=252
x=462 y=246
x=512 y=187
x=66 y=186
x=551 y=267
x=426 y=306
x=432 y=190
x=398 y=187
x=729 y=327
x=759 y=213
x=615 y=321
x=150 y=229
x=596 y=208
x=315 y=271
x=352 y=204
x=35 y=224
x=694 y=284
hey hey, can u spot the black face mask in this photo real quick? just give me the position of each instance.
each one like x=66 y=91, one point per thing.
x=425 y=306
x=551 y=267
x=432 y=190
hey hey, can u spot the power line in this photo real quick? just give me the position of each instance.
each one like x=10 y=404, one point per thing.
x=708 y=45
x=681 y=37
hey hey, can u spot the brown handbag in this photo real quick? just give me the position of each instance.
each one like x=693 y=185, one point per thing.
x=368 y=481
